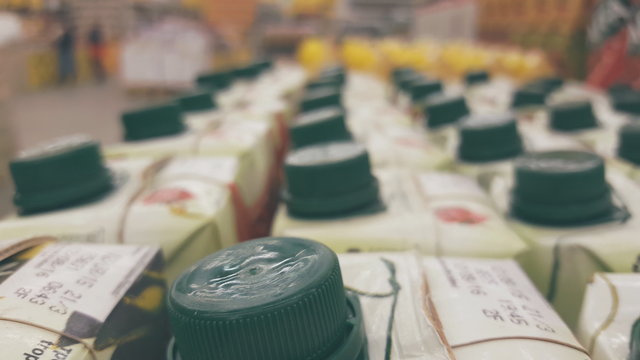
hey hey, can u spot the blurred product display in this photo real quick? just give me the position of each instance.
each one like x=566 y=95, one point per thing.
x=320 y=180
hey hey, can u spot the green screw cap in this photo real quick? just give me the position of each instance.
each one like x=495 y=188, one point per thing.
x=331 y=179
x=485 y=138
x=561 y=188
x=200 y=101
x=619 y=89
x=572 y=116
x=477 y=77
x=61 y=174
x=324 y=125
x=401 y=72
x=422 y=89
x=443 y=110
x=629 y=143
x=152 y=122
x=326 y=82
x=634 y=341
x=266 y=299
x=529 y=96
x=626 y=102
x=320 y=98
x=218 y=80
x=263 y=65
x=248 y=72
x=405 y=82
x=546 y=84
x=333 y=71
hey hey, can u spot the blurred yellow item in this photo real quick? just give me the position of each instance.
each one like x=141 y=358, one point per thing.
x=446 y=61
x=359 y=55
x=314 y=54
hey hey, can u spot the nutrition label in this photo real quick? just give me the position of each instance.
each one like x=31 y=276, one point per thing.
x=68 y=277
x=496 y=297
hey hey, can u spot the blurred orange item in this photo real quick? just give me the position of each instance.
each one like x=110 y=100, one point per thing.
x=312 y=7
x=231 y=16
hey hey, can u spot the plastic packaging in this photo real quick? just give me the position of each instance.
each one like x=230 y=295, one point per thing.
x=451 y=308
x=609 y=315
x=81 y=301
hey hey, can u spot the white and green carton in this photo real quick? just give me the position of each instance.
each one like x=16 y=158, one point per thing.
x=576 y=218
x=304 y=302
x=332 y=196
x=68 y=188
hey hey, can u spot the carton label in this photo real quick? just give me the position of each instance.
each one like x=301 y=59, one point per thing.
x=65 y=278
x=220 y=169
x=443 y=185
x=499 y=300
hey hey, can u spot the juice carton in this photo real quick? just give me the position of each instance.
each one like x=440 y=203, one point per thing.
x=67 y=188
x=333 y=197
x=577 y=219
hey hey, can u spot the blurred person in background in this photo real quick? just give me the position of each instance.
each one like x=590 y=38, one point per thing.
x=97 y=49
x=66 y=45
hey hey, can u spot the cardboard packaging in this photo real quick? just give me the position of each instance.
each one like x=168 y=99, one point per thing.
x=360 y=306
x=608 y=322
x=75 y=301
x=249 y=140
x=576 y=219
x=333 y=197
x=138 y=201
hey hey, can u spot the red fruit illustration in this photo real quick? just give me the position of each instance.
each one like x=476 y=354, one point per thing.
x=460 y=215
x=167 y=196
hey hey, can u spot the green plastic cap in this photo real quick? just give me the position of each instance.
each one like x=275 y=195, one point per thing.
x=331 y=82
x=400 y=72
x=65 y=173
x=263 y=65
x=547 y=84
x=626 y=102
x=405 y=82
x=619 y=89
x=634 y=341
x=330 y=179
x=477 y=77
x=266 y=299
x=323 y=125
x=333 y=71
x=200 y=101
x=572 y=116
x=152 y=122
x=320 y=98
x=485 y=138
x=529 y=96
x=561 y=188
x=218 y=80
x=248 y=72
x=442 y=110
x=629 y=143
x=424 y=88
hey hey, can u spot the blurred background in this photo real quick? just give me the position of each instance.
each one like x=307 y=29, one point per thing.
x=71 y=66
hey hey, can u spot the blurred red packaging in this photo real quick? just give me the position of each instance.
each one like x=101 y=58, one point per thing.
x=614 y=38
